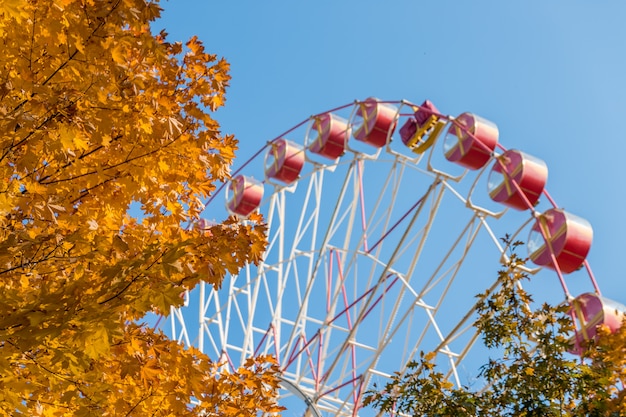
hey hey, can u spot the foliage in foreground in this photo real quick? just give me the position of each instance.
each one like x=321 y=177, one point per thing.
x=97 y=113
x=535 y=376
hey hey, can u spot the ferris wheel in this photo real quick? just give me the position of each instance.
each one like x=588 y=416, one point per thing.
x=384 y=218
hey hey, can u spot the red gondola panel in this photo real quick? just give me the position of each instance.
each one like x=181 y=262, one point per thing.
x=374 y=121
x=567 y=239
x=245 y=195
x=591 y=311
x=470 y=141
x=517 y=180
x=204 y=225
x=332 y=136
x=284 y=161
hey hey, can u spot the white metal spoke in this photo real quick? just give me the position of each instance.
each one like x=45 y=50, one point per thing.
x=371 y=259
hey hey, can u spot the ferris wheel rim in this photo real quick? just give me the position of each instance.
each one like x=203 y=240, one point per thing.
x=439 y=178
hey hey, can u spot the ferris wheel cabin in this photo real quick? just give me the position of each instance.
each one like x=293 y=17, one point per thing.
x=470 y=141
x=246 y=194
x=558 y=240
x=374 y=122
x=332 y=136
x=590 y=311
x=517 y=179
x=284 y=161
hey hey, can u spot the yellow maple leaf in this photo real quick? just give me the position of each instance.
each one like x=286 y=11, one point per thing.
x=15 y=9
x=108 y=116
x=66 y=136
x=97 y=342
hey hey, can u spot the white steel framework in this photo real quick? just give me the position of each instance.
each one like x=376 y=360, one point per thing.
x=372 y=258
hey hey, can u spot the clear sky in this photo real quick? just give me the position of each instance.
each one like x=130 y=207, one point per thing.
x=550 y=73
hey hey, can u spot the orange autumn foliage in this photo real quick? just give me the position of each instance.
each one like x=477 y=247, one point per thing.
x=97 y=113
x=607 y=356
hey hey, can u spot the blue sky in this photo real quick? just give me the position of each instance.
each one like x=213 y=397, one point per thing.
x=550 y=74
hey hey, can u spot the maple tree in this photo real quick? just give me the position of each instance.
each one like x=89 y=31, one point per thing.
x=533 y=374
x=98 y=113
